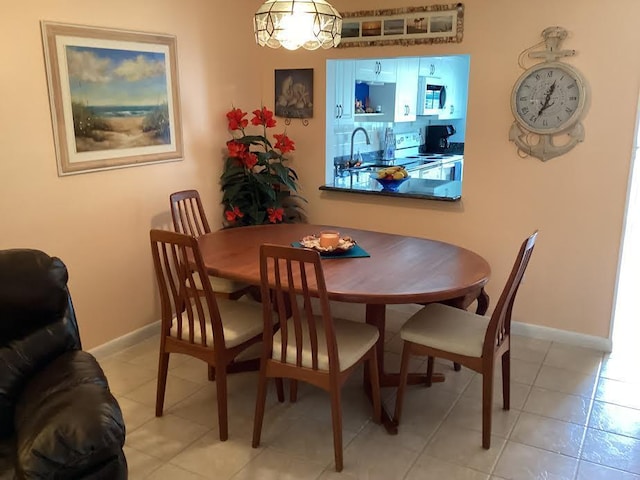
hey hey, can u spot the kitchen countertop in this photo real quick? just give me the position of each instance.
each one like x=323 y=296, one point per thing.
x=425 y=189
x=351 y=180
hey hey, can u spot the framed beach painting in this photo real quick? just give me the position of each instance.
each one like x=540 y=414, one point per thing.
x=114 y=97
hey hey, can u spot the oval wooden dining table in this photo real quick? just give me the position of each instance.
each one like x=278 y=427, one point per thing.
x=400 y=270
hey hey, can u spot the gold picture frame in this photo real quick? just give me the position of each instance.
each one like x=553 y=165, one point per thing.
x=403 y=26
x=114 y=97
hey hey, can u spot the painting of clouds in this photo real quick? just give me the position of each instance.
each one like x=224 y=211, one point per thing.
x=114 y=97
x=119 y=98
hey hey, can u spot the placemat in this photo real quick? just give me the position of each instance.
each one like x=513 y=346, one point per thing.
x=355 y=252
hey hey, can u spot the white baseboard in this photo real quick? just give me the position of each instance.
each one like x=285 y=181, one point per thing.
x=562 y=336
x=518 y=328
x=125 y=341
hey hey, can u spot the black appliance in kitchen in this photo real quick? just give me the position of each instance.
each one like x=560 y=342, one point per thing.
x=437 y=138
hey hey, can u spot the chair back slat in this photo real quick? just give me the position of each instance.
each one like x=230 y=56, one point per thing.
x=188 y=214
x=499 y=328
x=295 y=311
x=195 y=317
x=290 y=278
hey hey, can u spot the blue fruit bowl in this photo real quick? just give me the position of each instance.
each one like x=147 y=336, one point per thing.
x=391 y=185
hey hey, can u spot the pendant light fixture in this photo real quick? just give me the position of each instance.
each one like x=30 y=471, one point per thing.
x=292 y=24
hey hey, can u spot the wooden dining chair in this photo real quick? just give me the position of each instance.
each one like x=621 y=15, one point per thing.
x=472 y=340
x=212 y=329
x=189 y=218
x=309 y=346
x=480 y=298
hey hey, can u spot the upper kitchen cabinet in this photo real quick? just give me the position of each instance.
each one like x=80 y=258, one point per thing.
x=372 y=70
x=456 y=78
x=341 y=74
x=406 y=89
x=429 y=67
x=451 y=74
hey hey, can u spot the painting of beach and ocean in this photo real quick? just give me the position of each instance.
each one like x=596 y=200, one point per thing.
x=114 y=97
x=119 y=98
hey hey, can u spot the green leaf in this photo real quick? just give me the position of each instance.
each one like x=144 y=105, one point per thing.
x=232 y=173
x=252 y=140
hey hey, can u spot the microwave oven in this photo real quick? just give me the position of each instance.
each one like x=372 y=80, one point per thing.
x=432 y=96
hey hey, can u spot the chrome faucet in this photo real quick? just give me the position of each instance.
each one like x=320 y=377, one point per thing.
x=353 y=135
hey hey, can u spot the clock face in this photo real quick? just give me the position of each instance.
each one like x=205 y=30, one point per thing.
x=548 y=98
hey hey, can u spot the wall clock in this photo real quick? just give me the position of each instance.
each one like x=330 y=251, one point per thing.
x=548 y=102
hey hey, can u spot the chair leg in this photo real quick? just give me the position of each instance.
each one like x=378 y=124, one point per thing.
x=211 y=373
x=336 y=417
x=404 y=373
x=429 y=371
x=280 y=389
x=163 y=367
x=293 y=391
x=506 y=380
x=375 y=386
x=221 y=395
x=261 y=399
x=457 y=367
x=487 y=406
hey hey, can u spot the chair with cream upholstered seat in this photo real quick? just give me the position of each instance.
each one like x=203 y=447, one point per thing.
x=189 y=218
x=472 y=340
x=213 y=329
x=309 y=346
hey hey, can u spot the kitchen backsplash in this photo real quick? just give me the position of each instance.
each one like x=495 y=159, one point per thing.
x=375 y=130
x=374 y=156
x=456 y=148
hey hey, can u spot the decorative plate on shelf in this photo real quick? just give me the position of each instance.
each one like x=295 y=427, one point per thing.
x=344 y=245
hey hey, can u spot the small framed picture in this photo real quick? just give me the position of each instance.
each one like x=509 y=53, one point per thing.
x=294 y=93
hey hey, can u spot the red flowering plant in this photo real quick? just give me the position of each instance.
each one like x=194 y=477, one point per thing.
x=258 y=187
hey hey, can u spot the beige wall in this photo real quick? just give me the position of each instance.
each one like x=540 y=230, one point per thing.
x=577 y=200
x=98 y=223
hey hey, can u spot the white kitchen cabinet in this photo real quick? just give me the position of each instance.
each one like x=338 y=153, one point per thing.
x=406 y=89
x=453 y=73
x=430 y=171
x=430 y=67
x=455 y=77
x=345 y=93
x=372 y=70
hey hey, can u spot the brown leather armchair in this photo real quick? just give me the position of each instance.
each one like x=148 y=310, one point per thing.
x=58 y=418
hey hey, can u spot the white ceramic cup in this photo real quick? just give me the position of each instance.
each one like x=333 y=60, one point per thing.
x=329 y=239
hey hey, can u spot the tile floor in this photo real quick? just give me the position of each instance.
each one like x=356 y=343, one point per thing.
x=575 y=415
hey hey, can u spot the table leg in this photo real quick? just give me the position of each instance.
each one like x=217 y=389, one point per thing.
x=483 y=302
x=375 y=315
